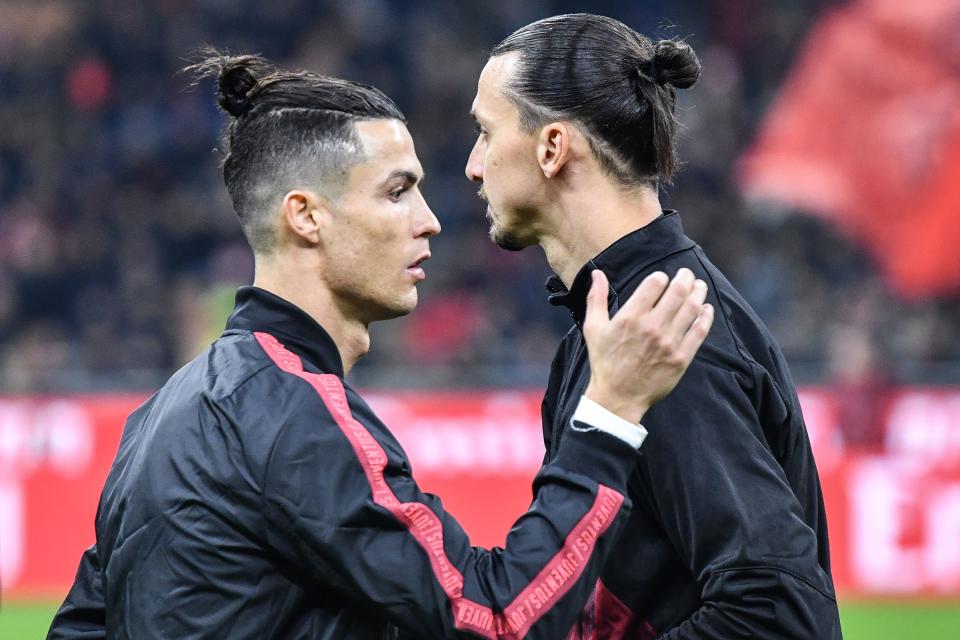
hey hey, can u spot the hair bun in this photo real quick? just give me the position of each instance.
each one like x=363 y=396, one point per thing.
x=676 y=64
x=234 y=84
x=237 y=77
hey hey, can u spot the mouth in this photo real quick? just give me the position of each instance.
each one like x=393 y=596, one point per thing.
x=416 y=270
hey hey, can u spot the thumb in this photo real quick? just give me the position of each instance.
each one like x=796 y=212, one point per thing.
x=597 y=309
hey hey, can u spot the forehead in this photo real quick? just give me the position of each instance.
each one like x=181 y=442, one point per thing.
x=388 y=147
x=491 y=101
x=384 y=139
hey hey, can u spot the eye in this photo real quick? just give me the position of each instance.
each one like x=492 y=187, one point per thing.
x=480 y=130
x=394 y=196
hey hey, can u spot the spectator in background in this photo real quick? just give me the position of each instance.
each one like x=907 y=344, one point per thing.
x=861 y=385
x=102 y=147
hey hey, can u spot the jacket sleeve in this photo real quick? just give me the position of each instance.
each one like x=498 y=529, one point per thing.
x=732 y=516
x=82 y=615
x=340 y=499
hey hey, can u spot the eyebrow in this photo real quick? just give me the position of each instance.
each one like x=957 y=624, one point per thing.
x=407 y=176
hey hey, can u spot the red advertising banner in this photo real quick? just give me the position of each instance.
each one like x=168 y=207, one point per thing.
x=894 y=510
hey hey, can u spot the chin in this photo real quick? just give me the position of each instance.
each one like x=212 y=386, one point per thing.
x=398 y=308
x=506 y=240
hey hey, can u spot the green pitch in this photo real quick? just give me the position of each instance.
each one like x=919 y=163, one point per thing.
x=25 y=620
x=891 y=620
x=861 y=621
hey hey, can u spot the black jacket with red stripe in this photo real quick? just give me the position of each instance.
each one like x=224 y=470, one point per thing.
x=256 y=495
x=728 y=535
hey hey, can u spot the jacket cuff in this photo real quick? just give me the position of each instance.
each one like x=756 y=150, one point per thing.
x=591 y=416
x=599 y=456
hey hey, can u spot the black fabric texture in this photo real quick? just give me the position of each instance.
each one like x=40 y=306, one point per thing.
x=237 y=507
x=728 y=537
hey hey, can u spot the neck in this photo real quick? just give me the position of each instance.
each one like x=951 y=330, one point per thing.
x=350 y=334
x=586 y=220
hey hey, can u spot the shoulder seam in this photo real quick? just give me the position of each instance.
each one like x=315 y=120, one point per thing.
x=749 y=361
x=253 y=374
x=723 y=313
x=243 y=382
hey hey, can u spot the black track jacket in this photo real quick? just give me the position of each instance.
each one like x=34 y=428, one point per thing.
x=256 y=495
x=728 y=537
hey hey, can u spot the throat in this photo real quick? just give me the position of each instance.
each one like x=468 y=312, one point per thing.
x=349 y=332
x=585 y=234
x=565 y=258
x=353 y=342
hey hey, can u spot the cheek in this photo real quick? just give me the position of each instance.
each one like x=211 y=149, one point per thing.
x=496 y=172
x=497 y=159
x=354 y=252
x=511 y=175
x=379 y=247
x=372 y=228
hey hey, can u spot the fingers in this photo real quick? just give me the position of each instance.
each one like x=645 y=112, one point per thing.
x=696 y=335
x=597 y=302
x=688 y=311
x=647 y=294
x=673 y=298
x=674 y=306
x=638 y=356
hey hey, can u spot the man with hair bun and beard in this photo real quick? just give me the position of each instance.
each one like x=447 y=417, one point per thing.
x=728 y=537
x=256 y=495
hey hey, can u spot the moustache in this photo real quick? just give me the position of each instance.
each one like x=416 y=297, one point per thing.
x=482 y=194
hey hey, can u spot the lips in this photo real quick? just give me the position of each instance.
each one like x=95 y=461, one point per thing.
x=415 y=269
x=416 y=263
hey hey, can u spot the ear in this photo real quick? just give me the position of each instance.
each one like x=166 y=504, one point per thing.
x=553 y=148
x=302 y=213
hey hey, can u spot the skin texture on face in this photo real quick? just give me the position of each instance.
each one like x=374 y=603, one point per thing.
x=504 y=160
x=374 y=236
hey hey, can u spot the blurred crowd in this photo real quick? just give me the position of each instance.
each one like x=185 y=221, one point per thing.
x=120 y=253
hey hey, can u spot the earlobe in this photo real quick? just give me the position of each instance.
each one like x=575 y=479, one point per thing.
x=553 y=148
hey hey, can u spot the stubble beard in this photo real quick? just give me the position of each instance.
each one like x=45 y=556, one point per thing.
x=498 y=235
x=505 y=240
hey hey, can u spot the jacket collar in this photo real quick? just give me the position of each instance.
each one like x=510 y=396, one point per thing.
x=621 y=262
x=259 y=310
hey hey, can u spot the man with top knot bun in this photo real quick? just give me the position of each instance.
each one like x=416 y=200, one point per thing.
x=256 y=495
x=728 y=537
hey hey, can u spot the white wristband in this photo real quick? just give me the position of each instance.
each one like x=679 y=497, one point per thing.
x=601 y=419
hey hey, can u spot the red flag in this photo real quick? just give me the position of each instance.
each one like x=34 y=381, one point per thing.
x=866 y=133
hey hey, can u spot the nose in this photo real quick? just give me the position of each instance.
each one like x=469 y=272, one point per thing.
x=474 y=168
x=427 y=223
